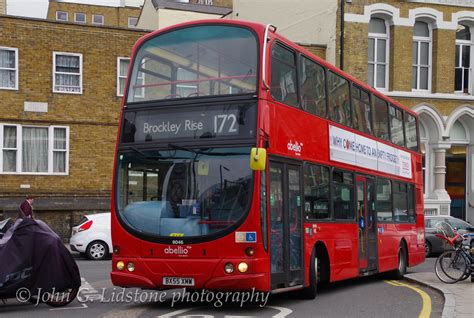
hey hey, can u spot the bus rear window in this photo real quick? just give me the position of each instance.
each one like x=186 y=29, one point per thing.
x=196 y=61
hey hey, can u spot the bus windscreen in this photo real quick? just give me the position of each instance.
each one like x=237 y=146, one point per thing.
x=207 y=60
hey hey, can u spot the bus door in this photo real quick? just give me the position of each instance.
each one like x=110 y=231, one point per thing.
x=286 y=227
x=367 y=230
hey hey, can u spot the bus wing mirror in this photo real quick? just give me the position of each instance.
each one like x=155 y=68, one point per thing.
x=258 y=159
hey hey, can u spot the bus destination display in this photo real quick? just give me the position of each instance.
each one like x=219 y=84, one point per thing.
x=191 y=123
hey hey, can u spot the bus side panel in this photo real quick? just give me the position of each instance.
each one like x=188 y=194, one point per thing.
x=342 y=246
x=388 y=243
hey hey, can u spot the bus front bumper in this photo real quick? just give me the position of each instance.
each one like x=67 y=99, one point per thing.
x=147 y=275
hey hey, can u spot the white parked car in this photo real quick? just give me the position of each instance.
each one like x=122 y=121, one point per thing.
x=92 y=236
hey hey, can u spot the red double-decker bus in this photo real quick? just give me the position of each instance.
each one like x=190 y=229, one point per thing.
x=243 y=161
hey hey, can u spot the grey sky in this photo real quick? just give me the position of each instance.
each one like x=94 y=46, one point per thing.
x=39 y=8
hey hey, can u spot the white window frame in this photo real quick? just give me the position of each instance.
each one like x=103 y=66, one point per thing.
x=119 y=93
x=57 y=16
x=19 y=150
x=98 y=15
x=471 y=77
x=16 y=69
x=377 y=37
x=75 y=17
x=54 y=72
x=132 y=25
x=419 y=40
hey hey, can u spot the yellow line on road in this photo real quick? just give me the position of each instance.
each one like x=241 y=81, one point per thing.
x=426 y=309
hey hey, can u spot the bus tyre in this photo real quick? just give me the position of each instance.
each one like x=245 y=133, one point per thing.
x=311 y=291
x=402 y=263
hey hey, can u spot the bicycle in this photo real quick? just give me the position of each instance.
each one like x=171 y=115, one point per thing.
x=456 y=264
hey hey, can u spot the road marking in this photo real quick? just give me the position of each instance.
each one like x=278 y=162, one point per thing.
x=283 y=312
x=426 y=308
x=176 y=312
x=83 y=306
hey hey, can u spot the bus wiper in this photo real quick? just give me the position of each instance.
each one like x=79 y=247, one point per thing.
x=206 y=152
x=173 y=146
x=144 y=155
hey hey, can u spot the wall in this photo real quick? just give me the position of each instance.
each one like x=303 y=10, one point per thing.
x=304 y=21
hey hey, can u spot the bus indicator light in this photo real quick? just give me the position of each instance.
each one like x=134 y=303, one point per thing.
x=249 y=251
x=229 y=268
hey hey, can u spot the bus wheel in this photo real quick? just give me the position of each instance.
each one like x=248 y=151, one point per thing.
x=402 y=263
x=311 y=291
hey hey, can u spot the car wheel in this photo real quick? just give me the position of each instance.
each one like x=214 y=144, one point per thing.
x=427 y=248
x=97 y=250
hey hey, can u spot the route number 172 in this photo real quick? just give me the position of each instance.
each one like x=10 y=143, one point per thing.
x=226 y=123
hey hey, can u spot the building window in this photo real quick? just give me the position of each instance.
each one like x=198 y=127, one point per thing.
x=80 y=17
x=421 y=73
x=378 y=53
x=67 y=76
x=34 y=149
x=8 y=68
x=463 y=72
x=132 y=22
x=122 y=69
x=98 y=19
x=61 y=16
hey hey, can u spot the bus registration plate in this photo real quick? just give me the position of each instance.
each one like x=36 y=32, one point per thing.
x=178 y=281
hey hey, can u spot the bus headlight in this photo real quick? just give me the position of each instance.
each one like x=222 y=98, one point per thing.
x=229 y=268
x=130 y=267
x=243 y=267
x=120 y=265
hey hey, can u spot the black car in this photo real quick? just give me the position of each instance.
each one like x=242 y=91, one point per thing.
x=434 y=244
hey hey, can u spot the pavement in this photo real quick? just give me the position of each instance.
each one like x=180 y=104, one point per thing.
x=458 y=297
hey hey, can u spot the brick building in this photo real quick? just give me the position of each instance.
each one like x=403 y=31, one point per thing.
x=118 y=13
x=419 y=52
x=58 y=123
x=3 y=6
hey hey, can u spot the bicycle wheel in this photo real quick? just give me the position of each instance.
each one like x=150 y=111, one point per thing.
x=451 y=266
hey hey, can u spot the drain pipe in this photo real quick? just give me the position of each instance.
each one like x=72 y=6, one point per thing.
x=341 y=37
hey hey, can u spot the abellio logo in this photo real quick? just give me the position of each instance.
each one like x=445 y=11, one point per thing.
x=176 y=250
x=296 y=147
